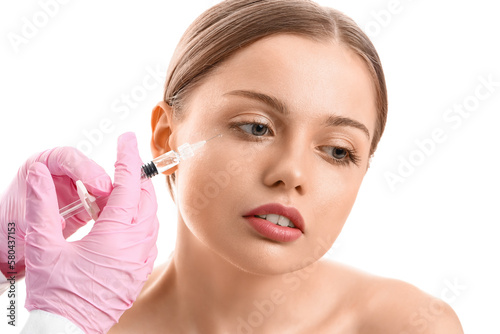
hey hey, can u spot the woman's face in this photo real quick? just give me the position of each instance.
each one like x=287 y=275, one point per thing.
x=296 y=117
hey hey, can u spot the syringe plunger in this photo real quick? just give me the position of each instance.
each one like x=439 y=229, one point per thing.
x=149 y=170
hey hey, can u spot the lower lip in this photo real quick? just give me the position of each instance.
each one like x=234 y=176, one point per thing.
x=273 y=231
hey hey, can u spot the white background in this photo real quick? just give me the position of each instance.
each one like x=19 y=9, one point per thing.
x=437 y=230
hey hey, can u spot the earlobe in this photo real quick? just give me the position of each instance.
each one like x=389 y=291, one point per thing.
x=161 y=126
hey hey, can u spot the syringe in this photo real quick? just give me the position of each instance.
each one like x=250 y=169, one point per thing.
x=158 y=165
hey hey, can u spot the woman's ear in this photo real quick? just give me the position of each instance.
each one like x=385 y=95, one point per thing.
x=161 y=126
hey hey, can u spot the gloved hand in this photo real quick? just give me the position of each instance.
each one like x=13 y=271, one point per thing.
x=66 y=165
x=91 y=282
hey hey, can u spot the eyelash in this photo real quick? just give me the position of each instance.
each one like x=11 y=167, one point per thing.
x=238 y=125
x=351 y=156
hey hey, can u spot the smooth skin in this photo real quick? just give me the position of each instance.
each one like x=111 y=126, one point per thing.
x=223 y=276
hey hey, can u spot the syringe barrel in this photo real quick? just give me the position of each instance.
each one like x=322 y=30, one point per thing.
x=160 y=164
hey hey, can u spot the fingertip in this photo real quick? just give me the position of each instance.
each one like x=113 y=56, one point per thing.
x=128 y=152
x=39 y=183
x=100 y=185
x=36 y=174
x=126 y=141
x=37 y=168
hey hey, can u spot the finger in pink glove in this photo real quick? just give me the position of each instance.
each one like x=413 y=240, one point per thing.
x=66 y=165
x=91 y=282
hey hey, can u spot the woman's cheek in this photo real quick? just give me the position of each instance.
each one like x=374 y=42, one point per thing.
x=334 y=202
x=203 y=184
x=191 y=180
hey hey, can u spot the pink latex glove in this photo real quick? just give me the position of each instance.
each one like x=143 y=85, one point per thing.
x=66 y=165
x=91 y=282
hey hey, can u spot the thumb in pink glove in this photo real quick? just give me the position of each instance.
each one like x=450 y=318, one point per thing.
x=91 y=282
x=66 y=165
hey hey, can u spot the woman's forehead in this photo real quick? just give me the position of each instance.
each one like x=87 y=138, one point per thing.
x=307 y=75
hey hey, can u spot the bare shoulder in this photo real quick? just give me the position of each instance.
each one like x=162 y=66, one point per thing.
x=384 y=305
x=395 y=306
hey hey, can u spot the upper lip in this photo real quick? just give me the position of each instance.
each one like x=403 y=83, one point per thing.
x=278 y=209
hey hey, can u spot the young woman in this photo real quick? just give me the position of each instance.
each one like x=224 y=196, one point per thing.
x=297 y=96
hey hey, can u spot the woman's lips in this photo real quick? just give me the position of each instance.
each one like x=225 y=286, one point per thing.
x=272 y=231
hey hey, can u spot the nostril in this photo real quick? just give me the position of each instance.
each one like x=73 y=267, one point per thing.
x=288 y=171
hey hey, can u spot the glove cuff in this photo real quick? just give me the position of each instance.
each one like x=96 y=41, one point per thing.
x=41 y=322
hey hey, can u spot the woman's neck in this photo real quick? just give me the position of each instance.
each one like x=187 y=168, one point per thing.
x=212 y=294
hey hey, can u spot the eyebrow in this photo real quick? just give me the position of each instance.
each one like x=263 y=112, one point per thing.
x=335 y=120
x=332 y=120
x=269 y=100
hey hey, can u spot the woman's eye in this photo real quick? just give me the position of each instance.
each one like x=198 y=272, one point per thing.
x=341 y=156
x=256 y=129
x=338 y=153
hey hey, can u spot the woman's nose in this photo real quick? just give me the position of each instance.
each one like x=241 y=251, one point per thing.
x=286 y=168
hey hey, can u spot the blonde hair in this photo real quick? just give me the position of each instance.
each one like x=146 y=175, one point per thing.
x=233 y=24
